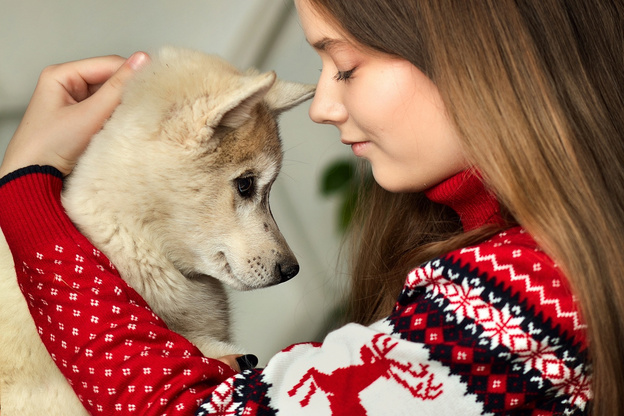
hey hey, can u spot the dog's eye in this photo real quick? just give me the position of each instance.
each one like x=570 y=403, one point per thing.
x=244 y=186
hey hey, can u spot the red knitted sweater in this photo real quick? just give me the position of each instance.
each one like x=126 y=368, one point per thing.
x=491 y=328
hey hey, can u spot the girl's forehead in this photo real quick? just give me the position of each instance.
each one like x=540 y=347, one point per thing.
x=321 y=33
x=310 y=18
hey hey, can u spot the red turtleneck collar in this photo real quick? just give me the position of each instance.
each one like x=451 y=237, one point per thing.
x=466 y=194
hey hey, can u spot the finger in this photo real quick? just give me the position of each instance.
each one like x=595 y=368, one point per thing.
x=74 y=78
x=95 y=77
x=96 y=70
x=230 y=360
x=108 y=96
x=240 y=362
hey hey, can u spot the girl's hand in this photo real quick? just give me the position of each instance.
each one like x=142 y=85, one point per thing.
x=69 y=105
x=240 y=362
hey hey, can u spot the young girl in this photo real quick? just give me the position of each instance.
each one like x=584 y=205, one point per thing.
x=487 y=273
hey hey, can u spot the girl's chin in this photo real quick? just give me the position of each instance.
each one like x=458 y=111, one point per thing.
x=388 y=182
x=396 y=183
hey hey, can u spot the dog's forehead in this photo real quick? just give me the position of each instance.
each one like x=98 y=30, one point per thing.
x=256 y=139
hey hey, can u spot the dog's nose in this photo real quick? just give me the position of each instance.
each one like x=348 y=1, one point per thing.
x=287 y=270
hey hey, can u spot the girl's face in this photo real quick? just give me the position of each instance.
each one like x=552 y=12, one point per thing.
x=386 y=109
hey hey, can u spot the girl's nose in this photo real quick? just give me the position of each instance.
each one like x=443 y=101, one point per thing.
x=327 y=106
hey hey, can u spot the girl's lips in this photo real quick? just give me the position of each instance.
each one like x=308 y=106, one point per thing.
x=359 y=148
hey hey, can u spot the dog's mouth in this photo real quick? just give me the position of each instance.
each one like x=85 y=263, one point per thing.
x=221 y=270
x=225 y=265
x=227 y=276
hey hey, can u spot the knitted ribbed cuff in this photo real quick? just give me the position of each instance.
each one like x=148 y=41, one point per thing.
x=30 y=206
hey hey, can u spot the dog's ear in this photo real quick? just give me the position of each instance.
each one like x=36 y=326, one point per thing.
x=238 y=106
x=284 y=95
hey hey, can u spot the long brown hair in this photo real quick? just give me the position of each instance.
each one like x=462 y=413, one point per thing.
x=535 y=90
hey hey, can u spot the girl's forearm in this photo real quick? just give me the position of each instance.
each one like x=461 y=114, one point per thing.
x=115 y=352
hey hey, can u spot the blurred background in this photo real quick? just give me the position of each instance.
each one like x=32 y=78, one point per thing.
x=265 y=34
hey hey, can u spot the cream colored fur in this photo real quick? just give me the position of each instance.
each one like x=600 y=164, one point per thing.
x=161 y=190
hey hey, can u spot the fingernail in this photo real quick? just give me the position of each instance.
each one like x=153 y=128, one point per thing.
x=247 y=362
x=138 y=60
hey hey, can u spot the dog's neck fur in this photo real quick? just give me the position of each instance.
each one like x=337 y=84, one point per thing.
x=146 y=269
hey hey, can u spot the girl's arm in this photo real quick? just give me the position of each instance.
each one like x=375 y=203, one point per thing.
x=115 y=352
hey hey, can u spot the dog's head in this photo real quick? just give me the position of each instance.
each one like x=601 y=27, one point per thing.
x=196 y=148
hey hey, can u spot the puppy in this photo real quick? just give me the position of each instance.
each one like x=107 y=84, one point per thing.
x=175 y=192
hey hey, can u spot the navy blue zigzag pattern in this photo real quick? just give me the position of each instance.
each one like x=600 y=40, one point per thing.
x=250 y=391
x=468 y=335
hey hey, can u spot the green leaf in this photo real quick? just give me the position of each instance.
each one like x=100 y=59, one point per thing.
x=336 y=176
x=347 y=207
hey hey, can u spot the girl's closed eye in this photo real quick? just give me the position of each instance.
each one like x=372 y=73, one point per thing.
x=344 y=75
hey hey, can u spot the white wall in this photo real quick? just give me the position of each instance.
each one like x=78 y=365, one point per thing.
x=261 y=33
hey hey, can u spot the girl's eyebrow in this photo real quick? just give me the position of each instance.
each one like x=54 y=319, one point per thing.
x=326 y=44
